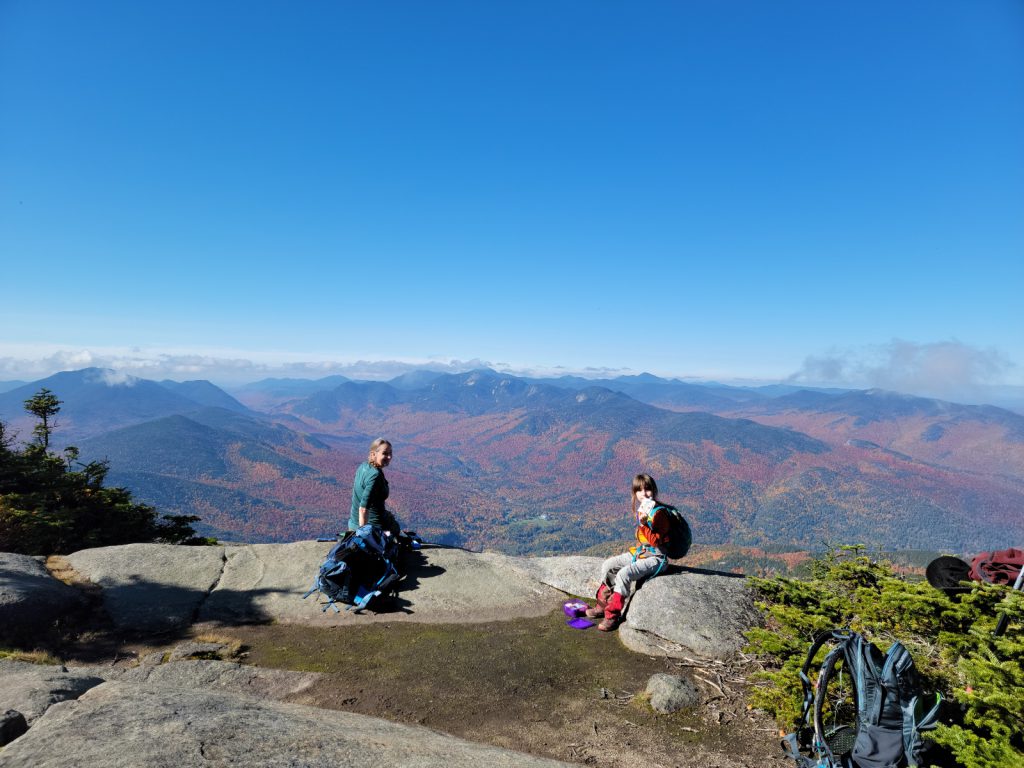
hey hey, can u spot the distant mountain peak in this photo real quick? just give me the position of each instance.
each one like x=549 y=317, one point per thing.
x=481 y=374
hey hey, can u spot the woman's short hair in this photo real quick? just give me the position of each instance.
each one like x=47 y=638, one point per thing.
x=375 y=445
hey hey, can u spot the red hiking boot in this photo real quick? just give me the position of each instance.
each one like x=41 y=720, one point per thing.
x=612 y=613
x=597 y=612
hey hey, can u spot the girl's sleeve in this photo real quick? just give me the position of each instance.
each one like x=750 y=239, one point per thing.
x=659 y=526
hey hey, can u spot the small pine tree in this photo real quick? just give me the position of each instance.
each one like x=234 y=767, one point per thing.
x=44 y=405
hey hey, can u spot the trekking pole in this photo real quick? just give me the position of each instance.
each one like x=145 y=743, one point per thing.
x=1005 y=618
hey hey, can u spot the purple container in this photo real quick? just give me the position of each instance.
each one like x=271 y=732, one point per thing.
x=575 y=608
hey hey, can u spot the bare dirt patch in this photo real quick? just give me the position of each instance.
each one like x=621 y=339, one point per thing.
x=531 y=685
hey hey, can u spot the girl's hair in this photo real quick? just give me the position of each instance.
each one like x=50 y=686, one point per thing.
x=375 y=445
x=642 y=483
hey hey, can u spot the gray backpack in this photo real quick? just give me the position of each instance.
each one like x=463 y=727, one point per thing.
x=889 y=711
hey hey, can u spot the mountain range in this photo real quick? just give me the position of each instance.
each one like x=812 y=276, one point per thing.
x=484 y=459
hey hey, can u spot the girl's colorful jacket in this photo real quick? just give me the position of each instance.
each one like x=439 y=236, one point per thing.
x=650 y=531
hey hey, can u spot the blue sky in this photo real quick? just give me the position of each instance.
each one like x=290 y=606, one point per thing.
x=824 y=191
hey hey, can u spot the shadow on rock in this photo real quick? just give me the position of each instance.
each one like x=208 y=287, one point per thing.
x=32 y=602
x=672 y=568
x=416 y=568
x=153 y=613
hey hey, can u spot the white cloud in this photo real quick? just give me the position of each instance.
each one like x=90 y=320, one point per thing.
x=949 y=370
x=116 y=378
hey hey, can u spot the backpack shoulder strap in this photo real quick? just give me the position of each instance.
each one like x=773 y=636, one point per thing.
x=916 y=715
x=916 y=718
x=868 y=680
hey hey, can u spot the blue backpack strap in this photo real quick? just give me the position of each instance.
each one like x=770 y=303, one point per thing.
x=361 y=601
x=899 y=667
x=805 y=680
x=660 y=568
x=897 y=663
x=869 y=702
x=330 y=604
x=641 y=548
x=914 y=722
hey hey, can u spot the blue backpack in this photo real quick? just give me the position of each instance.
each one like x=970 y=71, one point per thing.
x=882 y=727
x=361 y=567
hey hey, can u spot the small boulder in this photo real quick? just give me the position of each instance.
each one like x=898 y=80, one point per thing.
x=670 y=693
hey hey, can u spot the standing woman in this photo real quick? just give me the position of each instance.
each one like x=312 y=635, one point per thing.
x=370 y=491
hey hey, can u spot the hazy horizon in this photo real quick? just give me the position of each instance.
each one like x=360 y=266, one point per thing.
x=239 y=377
